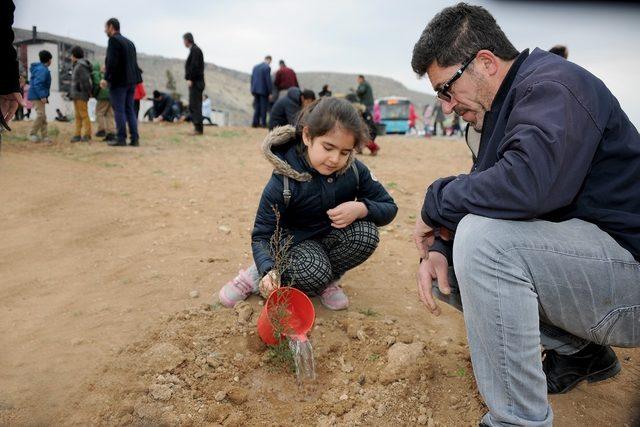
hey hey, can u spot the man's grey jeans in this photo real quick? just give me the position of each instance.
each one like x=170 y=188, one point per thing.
x=530 y=283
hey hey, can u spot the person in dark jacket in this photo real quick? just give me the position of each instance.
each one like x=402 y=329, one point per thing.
x=365 y=93
x=325 y=91
x=163 y=107
x=81 y=88
x=10 y=96
x=194 y=74
x=39 y=95
x=261 y=88
x=123 y=74
x=285 y=78
x=546 y=247
x=285 y=110
x=329 y=204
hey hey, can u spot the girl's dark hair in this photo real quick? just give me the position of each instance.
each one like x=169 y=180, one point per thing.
x=323 y=115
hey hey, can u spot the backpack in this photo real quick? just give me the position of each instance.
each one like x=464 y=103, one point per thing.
x=286 y=190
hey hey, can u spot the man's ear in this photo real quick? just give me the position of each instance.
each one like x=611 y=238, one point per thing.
x=487 y=62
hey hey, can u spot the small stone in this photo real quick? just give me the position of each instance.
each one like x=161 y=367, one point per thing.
x=198 y=375
x=344 y=397
x=238 y=395
x=163 y=357
x=236 y=378
x=390 y=340
x=77 y=341
x=194 y=294
x=225 y=229
x=431 y=422
x=160 y=392
x=213 y=361
x=400 y=356
x=244 y=311
x=220 y=396
x=423 y=420
x=361 y=335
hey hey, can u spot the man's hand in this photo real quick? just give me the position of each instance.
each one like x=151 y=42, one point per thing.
x=423 y=237
x=435 y=266
x=9 y=104
x=270 y=97
x=189 y=83
x=344 y=214
x=103 y=83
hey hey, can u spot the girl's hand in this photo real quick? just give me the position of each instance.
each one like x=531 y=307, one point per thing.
x=269 y=283
x=343 y=215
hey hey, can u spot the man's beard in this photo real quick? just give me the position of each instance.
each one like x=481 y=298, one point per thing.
x=484 y=100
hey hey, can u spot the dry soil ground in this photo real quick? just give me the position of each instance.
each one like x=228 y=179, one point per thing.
x=101 y=247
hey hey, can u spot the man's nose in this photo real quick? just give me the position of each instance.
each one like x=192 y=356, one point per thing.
x=447 y=106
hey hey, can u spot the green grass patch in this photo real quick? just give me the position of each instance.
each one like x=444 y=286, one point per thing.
x=369 y=312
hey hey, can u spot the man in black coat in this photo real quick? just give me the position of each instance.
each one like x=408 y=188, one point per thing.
x=10 y=97
x=123 y=74
x=194 y=74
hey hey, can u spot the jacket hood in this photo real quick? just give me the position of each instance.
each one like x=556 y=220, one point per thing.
x=286 y=135
x=83 y=62
x=35 y=66
x=294 y=93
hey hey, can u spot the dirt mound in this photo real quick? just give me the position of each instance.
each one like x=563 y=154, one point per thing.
x=207 y=365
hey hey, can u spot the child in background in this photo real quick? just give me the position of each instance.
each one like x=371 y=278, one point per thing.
x=104 y=112
x=38 y=94
x=329 y=202
x=81 y=88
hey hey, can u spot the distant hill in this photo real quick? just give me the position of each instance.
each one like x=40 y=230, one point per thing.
x=229 y=89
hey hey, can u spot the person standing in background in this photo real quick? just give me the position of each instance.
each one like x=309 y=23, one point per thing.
x=104 y=112
x=39 y=95
x=438 y=117
x=81 y=87
x=194 y=74
x=365 y=94
x=285 y=78
x=123 y=74
x=261 y=87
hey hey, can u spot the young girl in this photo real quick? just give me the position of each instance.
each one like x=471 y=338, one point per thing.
x=329 y=203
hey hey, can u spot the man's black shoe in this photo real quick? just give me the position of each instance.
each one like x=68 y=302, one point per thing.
x=100 y=134
x=117 y=143
x=593 y=363
x=134 y=143
x=109 y=137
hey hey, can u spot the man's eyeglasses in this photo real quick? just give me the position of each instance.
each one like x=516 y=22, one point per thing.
x=443 y=93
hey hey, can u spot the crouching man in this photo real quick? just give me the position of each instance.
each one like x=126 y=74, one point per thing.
x=544 y=232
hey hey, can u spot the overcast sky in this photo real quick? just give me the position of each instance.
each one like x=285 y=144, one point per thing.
x=367 y=36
